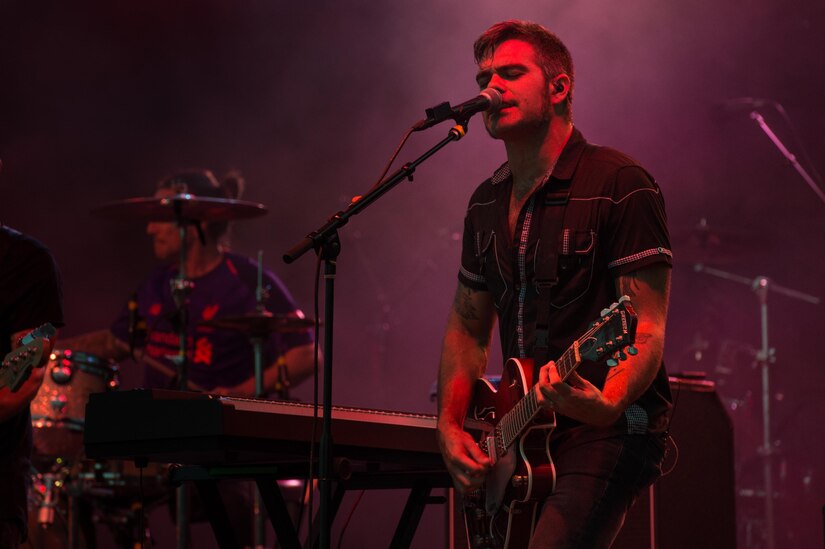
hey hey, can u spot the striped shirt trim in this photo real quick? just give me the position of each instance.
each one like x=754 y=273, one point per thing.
x=501 y=175
x=638 y=256
x=472 y=276
x=637 y=420
x=522 y=267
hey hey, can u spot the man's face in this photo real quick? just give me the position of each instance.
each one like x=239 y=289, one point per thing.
x=165 y=235
x=512 y=69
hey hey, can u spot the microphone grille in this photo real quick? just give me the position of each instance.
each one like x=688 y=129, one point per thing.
x=493 y=96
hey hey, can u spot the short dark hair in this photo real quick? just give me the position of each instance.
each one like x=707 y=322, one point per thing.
x=201 y=182
x=553 y=56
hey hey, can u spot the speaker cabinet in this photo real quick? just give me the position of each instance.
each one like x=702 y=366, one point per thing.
x=693 y=504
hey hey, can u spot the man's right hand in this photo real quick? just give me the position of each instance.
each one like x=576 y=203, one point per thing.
x=465 y=461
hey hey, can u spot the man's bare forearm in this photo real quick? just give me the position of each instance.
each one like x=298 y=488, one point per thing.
x=464 y=353
x=649 y=291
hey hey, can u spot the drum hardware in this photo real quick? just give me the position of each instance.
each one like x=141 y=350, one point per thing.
x=184 y=210
x=180 y=208
x=58 y=409
x=765 y=356
x=261 y=324
x=707 y=244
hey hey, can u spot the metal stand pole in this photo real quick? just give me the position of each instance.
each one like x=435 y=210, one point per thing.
x=181 y=287
x=755 y=116
x=259 y=520
x=765 y=357
x=761 y=285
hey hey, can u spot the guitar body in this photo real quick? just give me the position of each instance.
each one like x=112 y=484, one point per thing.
x=502 y=514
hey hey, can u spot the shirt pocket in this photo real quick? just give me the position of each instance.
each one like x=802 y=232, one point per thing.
x=576 y=264
x=491 y=268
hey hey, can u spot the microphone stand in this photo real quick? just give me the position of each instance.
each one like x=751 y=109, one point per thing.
x=327 y=245
x=755 y=116
x=766 y=356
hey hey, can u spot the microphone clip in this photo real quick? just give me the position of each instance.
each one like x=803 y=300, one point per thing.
x=435 y=115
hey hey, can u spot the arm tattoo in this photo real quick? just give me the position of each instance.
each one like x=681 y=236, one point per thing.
x=629 y=285
x=613 y=372
x=463 y=304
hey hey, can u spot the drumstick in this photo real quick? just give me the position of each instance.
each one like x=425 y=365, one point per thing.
x=160 y=367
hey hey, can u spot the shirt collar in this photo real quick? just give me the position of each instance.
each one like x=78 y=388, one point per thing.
x=565 y=165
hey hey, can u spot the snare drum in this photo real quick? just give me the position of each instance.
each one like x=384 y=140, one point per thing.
x=58 y=410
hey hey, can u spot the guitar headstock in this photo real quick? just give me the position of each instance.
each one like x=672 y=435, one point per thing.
x=17 y=365
x=612 y=334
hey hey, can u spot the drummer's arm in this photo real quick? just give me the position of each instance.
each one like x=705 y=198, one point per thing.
x=102 y=343
x=13 y=403
x=297 y=363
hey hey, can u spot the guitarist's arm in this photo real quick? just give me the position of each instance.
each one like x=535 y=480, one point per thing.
x=11 y=403
x=649 y=290
x=463 y=360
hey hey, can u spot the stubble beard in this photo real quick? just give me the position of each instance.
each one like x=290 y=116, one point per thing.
x=537 y=126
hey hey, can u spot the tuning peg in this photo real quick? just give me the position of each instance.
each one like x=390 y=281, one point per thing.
x=605 y=312
x=632 y=351
x=611 y=362
x=622 y=355
x=624 y=298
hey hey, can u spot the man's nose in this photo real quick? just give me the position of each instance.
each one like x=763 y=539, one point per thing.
x=496 y=82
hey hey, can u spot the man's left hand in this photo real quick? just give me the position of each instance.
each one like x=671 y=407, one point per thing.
x=575 y=398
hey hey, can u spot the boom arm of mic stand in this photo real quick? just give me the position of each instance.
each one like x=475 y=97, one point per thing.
x=316 y=238
x=788 y=154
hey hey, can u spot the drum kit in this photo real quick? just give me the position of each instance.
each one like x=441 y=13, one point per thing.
x=70 y=493
x=741 y=372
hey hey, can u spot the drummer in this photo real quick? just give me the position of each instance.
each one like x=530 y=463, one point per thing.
x=224 y=285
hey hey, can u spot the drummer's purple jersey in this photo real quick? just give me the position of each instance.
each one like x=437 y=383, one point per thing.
x=216 y=357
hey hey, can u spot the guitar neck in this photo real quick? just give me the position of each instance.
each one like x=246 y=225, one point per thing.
x=513 y=423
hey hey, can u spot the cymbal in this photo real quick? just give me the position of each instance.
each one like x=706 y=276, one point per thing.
x=261 y=323
x=703 y=244
x=187 y=207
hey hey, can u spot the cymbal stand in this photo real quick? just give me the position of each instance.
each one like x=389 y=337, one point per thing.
x=181 y=288
x=766 y=356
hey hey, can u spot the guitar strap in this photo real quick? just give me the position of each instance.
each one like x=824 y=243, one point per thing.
x=546 y=276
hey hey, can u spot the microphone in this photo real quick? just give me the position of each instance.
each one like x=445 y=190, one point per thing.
x=738 y=104
x=489 y=98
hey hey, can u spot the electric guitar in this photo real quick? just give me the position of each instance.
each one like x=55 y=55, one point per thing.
x=503 y=512
x=18 y=364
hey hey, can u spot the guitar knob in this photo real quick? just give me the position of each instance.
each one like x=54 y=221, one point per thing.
x=61 y=374
x=632 y=351
x=519 y=480
x=59 y=402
